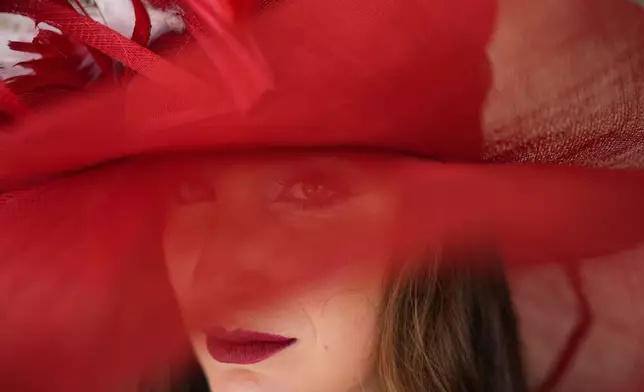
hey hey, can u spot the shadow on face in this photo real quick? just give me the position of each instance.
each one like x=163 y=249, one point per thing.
x=258 y=223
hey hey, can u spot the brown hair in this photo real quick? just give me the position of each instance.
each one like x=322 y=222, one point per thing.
x=441 y=331
x=449 y=331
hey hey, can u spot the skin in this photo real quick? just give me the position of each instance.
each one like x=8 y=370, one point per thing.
x=249 y=213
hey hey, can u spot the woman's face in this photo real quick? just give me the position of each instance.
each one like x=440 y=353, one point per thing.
x=241 y=216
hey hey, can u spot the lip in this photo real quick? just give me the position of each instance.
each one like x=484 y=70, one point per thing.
x=244 y=347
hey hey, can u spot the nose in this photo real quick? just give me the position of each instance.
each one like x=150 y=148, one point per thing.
x=240 y=258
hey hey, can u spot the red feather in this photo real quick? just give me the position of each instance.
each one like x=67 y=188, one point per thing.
x=10 y=103
x=63 y=64
x=142 y=26
x=48 y=44
x=105 y=40
x=103 y=61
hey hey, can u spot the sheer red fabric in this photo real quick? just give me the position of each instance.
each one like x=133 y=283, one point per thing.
x=517 y=125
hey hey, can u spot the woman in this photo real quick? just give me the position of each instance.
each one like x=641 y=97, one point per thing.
x=405 y=79
x=433 y=332
x=422 y=327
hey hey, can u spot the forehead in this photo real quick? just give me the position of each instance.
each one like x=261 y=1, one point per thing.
x=276 y=163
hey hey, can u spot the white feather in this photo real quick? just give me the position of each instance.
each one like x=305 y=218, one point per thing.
x=164 y=22
x=119 y=16
x=15 y=28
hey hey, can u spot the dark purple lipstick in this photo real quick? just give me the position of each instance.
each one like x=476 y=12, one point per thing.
x=244 y=347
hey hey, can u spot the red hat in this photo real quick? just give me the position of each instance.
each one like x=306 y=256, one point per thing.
x=500 y=122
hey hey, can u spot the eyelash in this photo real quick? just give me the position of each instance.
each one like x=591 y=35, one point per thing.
x=195 y=192
x=295 y=193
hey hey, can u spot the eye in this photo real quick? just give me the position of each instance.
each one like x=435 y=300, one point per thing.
x=195 y=192
x=311 y=193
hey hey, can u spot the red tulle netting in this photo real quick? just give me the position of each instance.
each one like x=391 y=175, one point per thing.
x=517 y=124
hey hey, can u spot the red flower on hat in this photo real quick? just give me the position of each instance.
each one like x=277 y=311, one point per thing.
x=58 y=61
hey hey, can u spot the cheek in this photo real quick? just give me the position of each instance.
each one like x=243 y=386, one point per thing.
x=347 y=332
x=216 y=256
x=185 y=235
x=348 y=328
